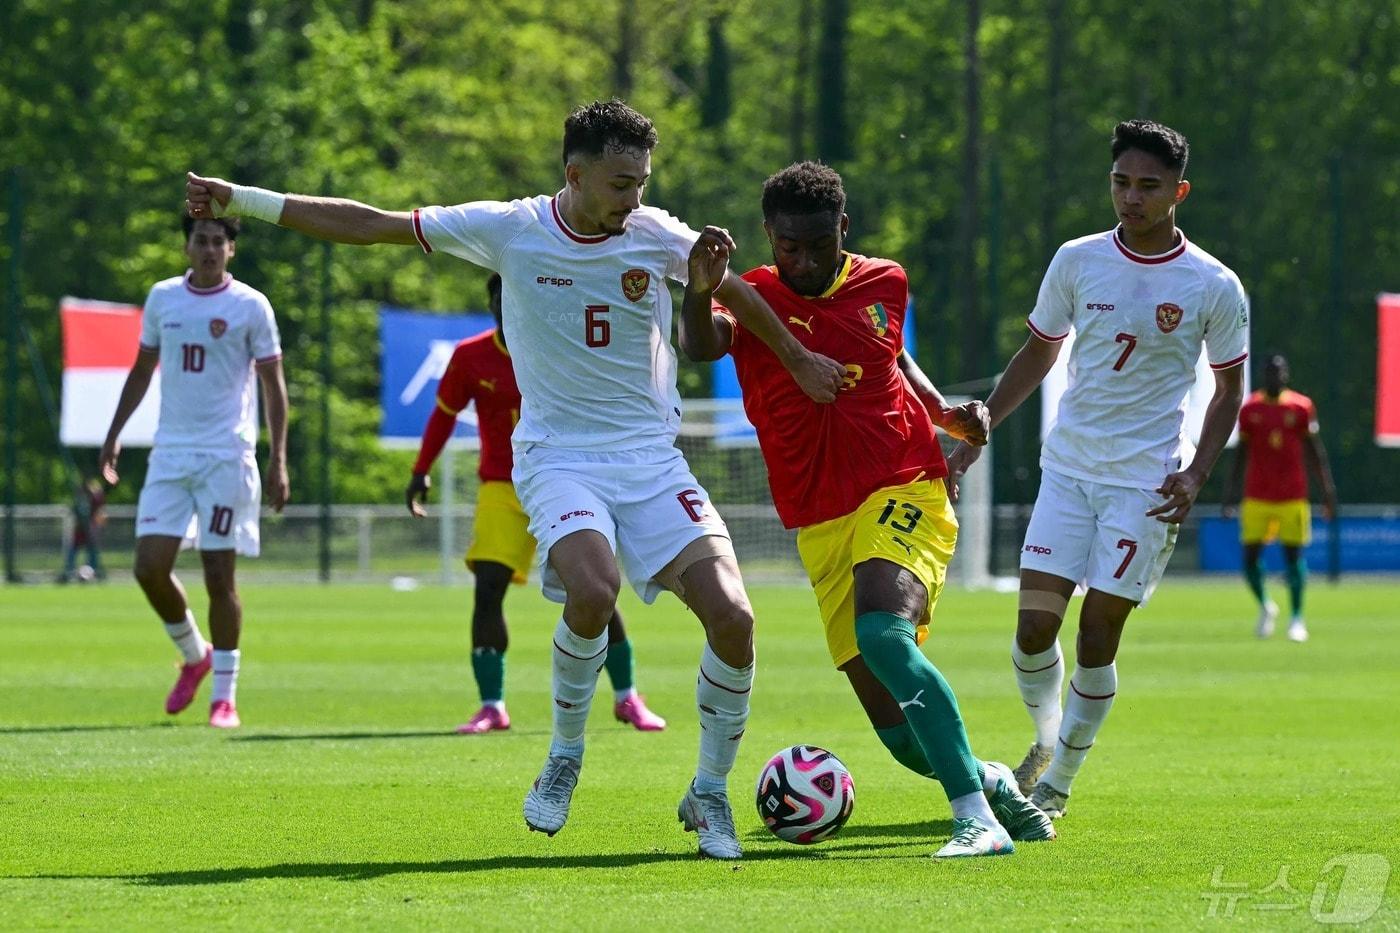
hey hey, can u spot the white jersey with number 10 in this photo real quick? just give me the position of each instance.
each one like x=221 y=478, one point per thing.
x=587 y=318
x=208 y=340
x=1139 y=324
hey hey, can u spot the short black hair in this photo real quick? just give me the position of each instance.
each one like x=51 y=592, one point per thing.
x=804 y=188
x=493 y=284
x=604 y=124
x=231 y=225
x=1155 y=139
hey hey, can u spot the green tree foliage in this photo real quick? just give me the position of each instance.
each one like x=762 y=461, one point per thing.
x=1291 y=108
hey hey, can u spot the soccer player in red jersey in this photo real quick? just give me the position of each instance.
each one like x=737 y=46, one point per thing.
x=861 y=481
x=502 y=548
x=1278 y=435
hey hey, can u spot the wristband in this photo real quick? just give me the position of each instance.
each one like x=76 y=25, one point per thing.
x=257 y=203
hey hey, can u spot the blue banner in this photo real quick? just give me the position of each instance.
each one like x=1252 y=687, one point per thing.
x=1367 y=543
x=415 y=348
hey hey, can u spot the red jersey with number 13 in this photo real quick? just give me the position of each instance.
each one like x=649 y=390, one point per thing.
x=825 y=460
x=480 y=369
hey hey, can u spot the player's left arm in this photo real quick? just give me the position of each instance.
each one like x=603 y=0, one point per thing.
x=819 y=376
x=1316 y=456
x=1182 y=487
x=274 y=392
x=969 y=422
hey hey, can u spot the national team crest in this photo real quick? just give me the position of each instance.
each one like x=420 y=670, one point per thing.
x=217 y=327
x=878 y=319
x=634 y=283
x=1168 y=316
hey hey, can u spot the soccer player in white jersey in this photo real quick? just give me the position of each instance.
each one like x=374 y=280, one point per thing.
x=588 y=315
x=209 y=333
x=1118 y=474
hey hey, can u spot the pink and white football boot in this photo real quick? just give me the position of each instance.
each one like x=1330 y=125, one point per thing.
x=187 y=684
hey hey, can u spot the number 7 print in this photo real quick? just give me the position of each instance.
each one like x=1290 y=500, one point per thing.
x=1132 y=552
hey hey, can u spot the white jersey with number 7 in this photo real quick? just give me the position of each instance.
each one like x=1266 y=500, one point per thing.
x=1139 y=324
x=587 y=318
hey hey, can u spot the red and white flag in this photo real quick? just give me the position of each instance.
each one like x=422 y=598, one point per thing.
x=100 y=342
x=1388 y=370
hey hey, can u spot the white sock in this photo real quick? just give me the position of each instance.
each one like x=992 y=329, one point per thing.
x=1090 y=698
x=620 y=695
x=225 y=675
x=185 y=635
x=577 y=662
x=973 y=806
x=1040 y=677
x=722 y=694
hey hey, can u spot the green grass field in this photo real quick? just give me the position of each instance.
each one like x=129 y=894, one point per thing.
x=346 y=800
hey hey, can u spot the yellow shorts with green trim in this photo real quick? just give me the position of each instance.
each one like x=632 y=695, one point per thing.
x=911 y=525
x=1289 y=521
x=501 y=532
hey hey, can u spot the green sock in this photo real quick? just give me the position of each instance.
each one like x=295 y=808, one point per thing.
x=1254 y=576
x=1296 y=573
x=619 y=665
x=489 y=665
x=886 y=641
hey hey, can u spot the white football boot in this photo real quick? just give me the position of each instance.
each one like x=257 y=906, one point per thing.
x=547 y=803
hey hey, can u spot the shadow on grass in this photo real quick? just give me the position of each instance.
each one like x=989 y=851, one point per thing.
x=361 y=736
x=921 y=833
x=55 y=730
x=369 y=871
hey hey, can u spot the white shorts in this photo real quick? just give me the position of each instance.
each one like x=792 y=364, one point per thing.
x=646 y=502
x=1098 y=535
x=210 y=501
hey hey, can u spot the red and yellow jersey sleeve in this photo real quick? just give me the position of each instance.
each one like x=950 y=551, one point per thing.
x=824 y=460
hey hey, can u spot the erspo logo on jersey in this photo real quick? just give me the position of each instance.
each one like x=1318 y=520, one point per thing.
x=1168 y=316
x=1092 y=306
x=1037 y=549
x=552 y=280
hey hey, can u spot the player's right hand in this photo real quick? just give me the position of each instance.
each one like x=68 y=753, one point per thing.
x=107 y=461
x=820 y=377
x=417 y=494
x=959 y=461
x=206 y=197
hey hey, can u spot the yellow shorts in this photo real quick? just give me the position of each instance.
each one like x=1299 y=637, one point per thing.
x=501 y=532
x=1262 y=521
x=911 y=525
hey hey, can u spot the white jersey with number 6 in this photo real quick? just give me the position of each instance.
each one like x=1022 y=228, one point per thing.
x=587 y=318
x=1139 y=324
x=208 y=340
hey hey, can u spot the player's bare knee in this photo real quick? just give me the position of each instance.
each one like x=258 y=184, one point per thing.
x=1038 y=620
x=731 y=624
x=592 y=601
x=151 y=573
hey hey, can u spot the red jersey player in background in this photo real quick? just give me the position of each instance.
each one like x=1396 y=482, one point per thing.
x=861 y=480
x=502 y=549
x=1278 y=435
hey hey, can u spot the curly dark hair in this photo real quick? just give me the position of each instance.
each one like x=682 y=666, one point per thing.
x=606 y=124
x=231 y=225
x=1155 y=139
x=803 y=188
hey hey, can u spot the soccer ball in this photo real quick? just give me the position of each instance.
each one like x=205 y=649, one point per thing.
x=805 y=794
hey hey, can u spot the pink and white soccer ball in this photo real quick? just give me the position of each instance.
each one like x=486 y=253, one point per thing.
x=805 y=794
